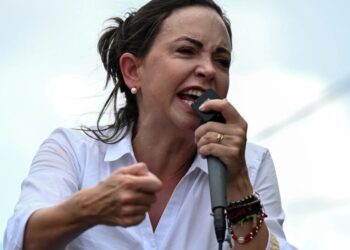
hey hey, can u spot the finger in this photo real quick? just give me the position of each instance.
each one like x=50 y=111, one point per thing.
x=128 y=221
x=145 y=181
x=139 y=169
x=209 y=127
x=210 y=132
x=226 y=154
x=147 y=184
x=137 y=198
x=223 y=106
x=133 y=210
x=212 y=149
x=210 y=137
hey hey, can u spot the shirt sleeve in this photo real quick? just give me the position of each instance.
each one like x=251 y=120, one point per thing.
x=53 y=177
x=266 y=185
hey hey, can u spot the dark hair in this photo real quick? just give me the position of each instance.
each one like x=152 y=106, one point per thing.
x=135 y=35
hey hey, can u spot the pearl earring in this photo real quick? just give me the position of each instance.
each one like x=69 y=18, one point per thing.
x=133 y=91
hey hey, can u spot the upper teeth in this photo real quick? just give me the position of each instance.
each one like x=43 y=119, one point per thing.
x=193 y=92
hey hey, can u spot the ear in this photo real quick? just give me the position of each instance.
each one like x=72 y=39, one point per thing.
x=129 y=67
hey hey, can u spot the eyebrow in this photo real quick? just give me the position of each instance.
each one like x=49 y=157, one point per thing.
x=200 y=44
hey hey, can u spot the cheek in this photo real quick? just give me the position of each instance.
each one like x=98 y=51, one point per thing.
x=161 y=71
x=174 y=75
x=223 y=85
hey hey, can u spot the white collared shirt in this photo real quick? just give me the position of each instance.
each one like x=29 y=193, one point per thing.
x=69 y=161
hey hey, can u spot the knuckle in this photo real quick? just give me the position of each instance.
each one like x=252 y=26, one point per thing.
x=239 y=140
x=206 y=138
x=138 y=219
x=197 y=132
x=241 y=132
x=125 y=198
x=234 y=152
x=125 y=222
x=127 y=182
x=225 y=103
x=134 y=220
x=208 y=149
x=237 y=152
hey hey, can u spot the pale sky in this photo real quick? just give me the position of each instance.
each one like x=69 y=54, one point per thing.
x=290 y=79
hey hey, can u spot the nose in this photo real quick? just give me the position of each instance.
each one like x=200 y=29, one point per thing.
x=206 y=69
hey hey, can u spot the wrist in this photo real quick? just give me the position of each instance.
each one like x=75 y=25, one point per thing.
x=79 y=207
x=239 y=186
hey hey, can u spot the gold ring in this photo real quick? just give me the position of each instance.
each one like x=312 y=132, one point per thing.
x=219 y=138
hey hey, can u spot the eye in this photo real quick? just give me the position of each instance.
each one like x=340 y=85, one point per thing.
x=225 y=63
x=186 y=50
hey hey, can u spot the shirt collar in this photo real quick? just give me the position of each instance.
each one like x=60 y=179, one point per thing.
x=199 y=163
x=117 y=150
x=124 y=147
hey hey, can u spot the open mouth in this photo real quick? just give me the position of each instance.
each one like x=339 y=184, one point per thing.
x=189 y=96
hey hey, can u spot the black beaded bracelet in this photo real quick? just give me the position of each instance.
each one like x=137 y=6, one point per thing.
x=249 y=198
x=244 y=208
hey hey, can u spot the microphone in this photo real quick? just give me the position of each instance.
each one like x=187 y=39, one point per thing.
x=216 y=170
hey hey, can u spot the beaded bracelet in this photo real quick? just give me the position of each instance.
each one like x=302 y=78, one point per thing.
x=244 y=219
x=249 y=198
x=234 y=215
x=233 y=207
x=250 y=236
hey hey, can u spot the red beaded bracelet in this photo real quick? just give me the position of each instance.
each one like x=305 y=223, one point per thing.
x=250 y=236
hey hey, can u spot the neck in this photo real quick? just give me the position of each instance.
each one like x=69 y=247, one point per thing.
x=167 y=154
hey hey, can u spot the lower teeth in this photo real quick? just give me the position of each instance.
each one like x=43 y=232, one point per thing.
x=188 y=102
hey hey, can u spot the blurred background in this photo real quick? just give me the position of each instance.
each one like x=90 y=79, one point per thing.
x=290 y=79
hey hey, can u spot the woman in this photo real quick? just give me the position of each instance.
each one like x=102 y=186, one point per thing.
x=142 y=182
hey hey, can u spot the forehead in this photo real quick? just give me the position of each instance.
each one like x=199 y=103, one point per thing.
x=199 y=22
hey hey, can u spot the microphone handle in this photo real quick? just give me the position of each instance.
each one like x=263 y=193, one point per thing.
x=218 y=195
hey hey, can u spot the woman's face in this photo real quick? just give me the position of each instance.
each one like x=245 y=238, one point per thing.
x=190 y=54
